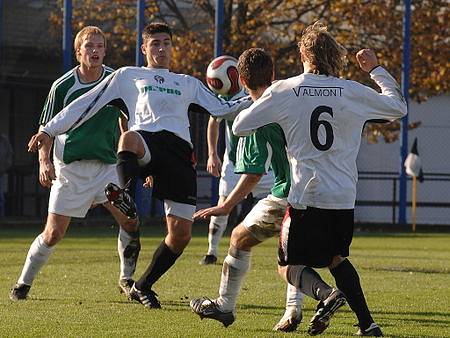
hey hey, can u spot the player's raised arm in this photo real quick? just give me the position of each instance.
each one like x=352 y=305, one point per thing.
x=390 y=103
x=86 y=106
x=217 y=106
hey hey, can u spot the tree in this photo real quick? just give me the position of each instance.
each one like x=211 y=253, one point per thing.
x=276 y=26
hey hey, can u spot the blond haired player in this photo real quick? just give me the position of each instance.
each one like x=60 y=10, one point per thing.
x=83 y=163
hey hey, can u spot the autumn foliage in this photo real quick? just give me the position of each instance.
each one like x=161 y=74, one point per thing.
x=277 y=26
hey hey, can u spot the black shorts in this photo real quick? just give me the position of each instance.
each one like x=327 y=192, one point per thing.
x=172 y=166
x=313 y=236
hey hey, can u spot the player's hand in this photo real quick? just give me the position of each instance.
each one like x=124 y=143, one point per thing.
x=37 y=140
x=46 y=173
x=367 y=59
x=213 y=211
x=148 y=182
x=214 y=165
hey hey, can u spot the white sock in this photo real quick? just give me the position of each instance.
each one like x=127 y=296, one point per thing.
x=217 y=226
x=234 y=269
x=294 y=299
x=128 y=246
x=37 y=256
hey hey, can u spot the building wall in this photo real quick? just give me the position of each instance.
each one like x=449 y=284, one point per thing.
x=433 y=137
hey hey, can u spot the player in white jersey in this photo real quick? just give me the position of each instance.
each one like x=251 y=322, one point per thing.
x=228 y=180
x=322 y=117
x=158 y=143
x=80 y=167
x=254 y=155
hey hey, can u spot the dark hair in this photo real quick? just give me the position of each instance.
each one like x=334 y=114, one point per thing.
x=320 y=48
x=154 y=28
x=255 y=66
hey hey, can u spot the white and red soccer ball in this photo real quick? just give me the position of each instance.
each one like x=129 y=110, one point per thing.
x=222 y=76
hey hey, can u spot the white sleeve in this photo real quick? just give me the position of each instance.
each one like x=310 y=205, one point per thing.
x=263 y=111
x=217 y=106
x=84 y=107
x=390 y=103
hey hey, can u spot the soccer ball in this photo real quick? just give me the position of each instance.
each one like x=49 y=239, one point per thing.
x=222 y=76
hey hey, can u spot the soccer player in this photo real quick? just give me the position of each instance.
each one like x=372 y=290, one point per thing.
x=255 y=153
x=83 y=163
x=322 y=117
x=158 y=143
x=227 y=182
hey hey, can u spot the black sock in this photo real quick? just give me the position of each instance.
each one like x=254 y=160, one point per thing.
x=347 y=280
x=309 y=282
x=163 y=259
x=127 y=169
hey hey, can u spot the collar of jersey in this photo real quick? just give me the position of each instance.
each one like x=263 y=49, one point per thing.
x=165 y=70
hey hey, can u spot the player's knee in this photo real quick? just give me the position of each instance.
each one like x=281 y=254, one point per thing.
x=129 y=141
x=130 y=225
x=282 y=272
x=52 y=236
x=177 y=242
x=242 y=239
x=336 y=261
x=237 y=237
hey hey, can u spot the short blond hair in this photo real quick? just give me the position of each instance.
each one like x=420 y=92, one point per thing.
x=83 y=33
x=318 y=47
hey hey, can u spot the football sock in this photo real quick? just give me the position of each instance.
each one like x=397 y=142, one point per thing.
x=37 y=256
x=128 y=246
x=234 y=268
x=347 y=280
x=127 y=168
x=162 y=260
x=308 y=281
x=217 y=226
x=294 y=298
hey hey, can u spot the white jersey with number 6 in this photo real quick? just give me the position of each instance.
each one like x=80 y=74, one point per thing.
x=322 y=118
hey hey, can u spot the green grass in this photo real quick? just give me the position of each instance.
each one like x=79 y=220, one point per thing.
x=405 y=277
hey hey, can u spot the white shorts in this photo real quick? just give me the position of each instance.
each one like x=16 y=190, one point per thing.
x=264 y=220
x=229 y=179
x=79 y=185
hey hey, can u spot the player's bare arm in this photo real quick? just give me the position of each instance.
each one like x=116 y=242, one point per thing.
x=38 y=140
x=244 y=187
x=46 y=168
x=367 y=59
x=214 y=164
x=123 y=124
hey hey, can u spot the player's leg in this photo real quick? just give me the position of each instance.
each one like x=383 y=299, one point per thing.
x=217 y=226
x=39 y=252
x=128 y=247
x=132 y=152
x=293 y=313
x=179 y=227
x=294 y=251
x=234 y=269
x=345 y=274
x=347 y=280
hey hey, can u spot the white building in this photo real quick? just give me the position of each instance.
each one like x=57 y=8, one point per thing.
x=433 y=195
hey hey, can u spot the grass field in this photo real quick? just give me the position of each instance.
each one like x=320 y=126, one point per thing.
x=406 y=278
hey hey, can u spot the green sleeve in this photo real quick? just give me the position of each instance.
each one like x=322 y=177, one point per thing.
x=53 y=105
x=253 y=154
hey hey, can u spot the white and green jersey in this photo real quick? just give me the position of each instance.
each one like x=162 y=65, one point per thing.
x=94 y=140
x=231 y=140
x=265 y=149
x=154 y=99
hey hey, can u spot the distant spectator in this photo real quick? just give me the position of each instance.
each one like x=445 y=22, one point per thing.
x=6 y=156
